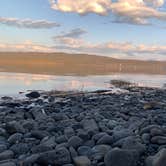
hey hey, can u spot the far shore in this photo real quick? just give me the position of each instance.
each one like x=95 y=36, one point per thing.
x=75 y=64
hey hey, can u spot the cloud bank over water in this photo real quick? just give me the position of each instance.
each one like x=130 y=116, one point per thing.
x=27 y=46
x=79 y=45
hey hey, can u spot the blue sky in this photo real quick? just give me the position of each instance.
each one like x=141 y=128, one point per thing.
x=121 y=28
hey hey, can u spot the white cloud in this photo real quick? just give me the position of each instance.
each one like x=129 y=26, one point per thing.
x=28 y=23
x=78 y=45
x=74 y=33
x=155 y=3
x=128 y=11
x=136 y=11
x=81 y=7
x=73 y=37
x=27 y=46
x=123 y=50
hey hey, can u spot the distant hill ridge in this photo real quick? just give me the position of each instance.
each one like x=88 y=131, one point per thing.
x=77 y=64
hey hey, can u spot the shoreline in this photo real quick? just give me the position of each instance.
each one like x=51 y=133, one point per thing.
x=66 y=128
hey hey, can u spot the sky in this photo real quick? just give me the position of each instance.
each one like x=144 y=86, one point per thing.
x=130 y=29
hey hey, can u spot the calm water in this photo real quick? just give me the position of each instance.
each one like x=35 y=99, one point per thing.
x=13 y=83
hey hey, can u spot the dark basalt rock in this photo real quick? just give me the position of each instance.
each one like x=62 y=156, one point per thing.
x=158 y=159
x=33 y=95
x=8 y=154
x=95 y=129
x=119 y=157
x=55 y=157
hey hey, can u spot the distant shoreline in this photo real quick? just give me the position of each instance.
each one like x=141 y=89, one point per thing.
x=75 y=64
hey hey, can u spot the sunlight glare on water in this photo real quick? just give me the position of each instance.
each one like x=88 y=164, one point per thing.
x=13 y=83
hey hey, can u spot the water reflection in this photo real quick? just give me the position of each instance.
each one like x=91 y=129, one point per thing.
x=13 y=83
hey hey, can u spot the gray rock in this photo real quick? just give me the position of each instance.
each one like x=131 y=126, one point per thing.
x=106 y=139
x=131 y=143
x=161 y=147
x=98 y=152
x=39 y=134
x=15 y=138
x=82 y=161
x=8 y=164
x=58 y=116
x=156 y=132
x=158 y=140
x=83 y=135
x=148 y=128
x=69 y=132
x=14 y=127
x=112 y=123
x=8 y=154
x=28 y=124
x=31 y=140
x=3 y=140
x=157 y=160
x=90 y=126
x=21 y=148
x=84 y=150
x=39 y=114
x=97 y=136
x=61 y=139
x=62 y=145
x=49 y=142
x=2 y=148
x=145 y=138
x=73 y=152
x=33 y=95
x=120 y=157
x=30 y=160
x=89 y=143
x=40 y=148
x=55 y=157
x=75 y=142
x=117 y=135
x=2 y=132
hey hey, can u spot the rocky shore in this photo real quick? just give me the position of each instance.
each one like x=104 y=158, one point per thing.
x=84 y=129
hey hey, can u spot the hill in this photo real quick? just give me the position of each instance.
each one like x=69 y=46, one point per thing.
x=75 y=64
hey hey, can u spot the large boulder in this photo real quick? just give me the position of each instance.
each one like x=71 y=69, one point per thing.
x=131 y=143
x=14 y=127
x=98 y=152
x=20 y=148
x=121 y=157
x=75 y=141
x=59 y=156
x=157 y=160
x=119 y=134
x=90 y=126
x=8 y=154
x=33 y=95
x=15 y=138
x=82 y=161
x=160 y=140
x=106 y=139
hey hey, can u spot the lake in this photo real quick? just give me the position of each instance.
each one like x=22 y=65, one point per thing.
x=13 y=83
